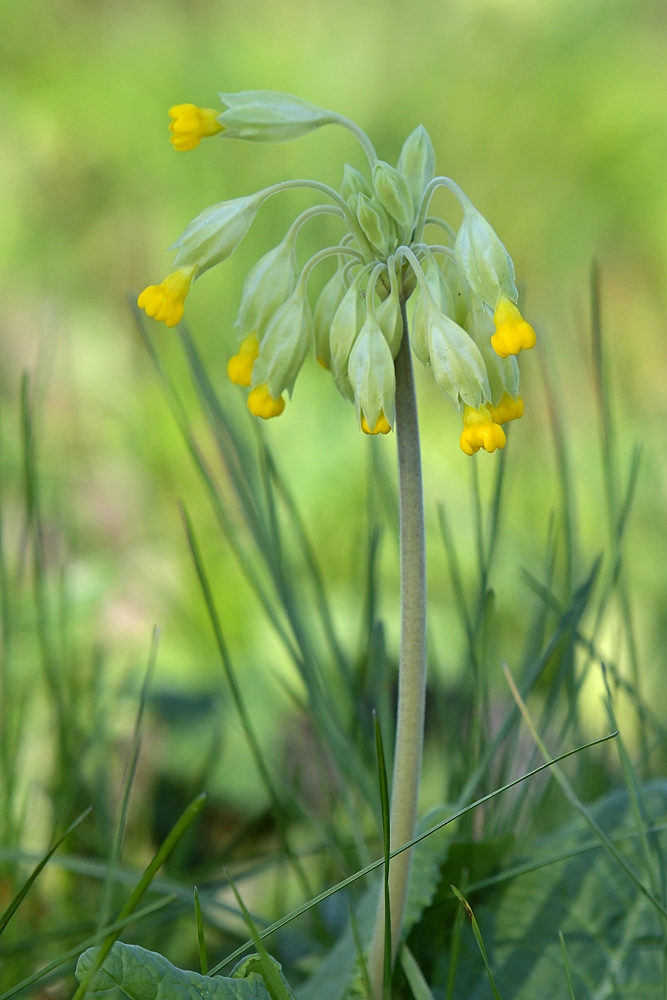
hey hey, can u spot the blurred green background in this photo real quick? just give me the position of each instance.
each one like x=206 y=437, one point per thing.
x=551 y=114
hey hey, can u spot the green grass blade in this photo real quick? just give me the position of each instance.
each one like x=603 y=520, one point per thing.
x=201 y=943
x=128 y=783
x=239 y=703
x=414 y=975
x=351 y=879
x=114 y=928
x=570 y=991
x=273 y=981
x=574 y=800
x=361 y=957
x=478 y=938
x=27 y=885
x=161 y=856
x=386 y=846
x=455 y=946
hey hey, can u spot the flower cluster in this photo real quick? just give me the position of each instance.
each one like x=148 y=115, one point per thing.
x=466 y=326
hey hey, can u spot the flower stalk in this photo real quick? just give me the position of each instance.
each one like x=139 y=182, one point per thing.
x=412 y=664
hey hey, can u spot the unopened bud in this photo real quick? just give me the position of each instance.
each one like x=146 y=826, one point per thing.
x=285 y=345
x=267 y=285
x=371 y=374
x=393 y=194
x=417 y=163
x=269 y=116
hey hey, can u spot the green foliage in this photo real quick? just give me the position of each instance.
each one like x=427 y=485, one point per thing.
x=613 y=934
x=132 y=972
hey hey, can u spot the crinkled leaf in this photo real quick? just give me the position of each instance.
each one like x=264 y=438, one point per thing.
x=135 y=973
x=613 y=933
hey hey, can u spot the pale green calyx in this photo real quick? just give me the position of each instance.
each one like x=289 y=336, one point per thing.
x=285 y=345
x=375 y=223
x=388 y=314
x=439 y=295
x=371 y=375
x=216 y=232
x=354 y=184
x=393 y=194
x=267 y=285
x=483 y=259
x=330 y=298
x=457 y=364
x=417 y=163
x=345 y=325
x=269 y=116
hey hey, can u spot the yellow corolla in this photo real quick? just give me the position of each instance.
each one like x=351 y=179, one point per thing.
x=382 y=425
x=480 y=431
x=262 y=404
x=165 y=301
x=192 y=124
x=506 y=410
x=239 y=367
x=512 y=334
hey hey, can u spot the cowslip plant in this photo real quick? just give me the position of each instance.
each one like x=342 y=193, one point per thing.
x=466 y=328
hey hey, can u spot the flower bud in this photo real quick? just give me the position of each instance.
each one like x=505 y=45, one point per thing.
x=442 y=299
x=266 y=287
x=327 y=304
x=503 y=372
x=388 y=315
x=417 y=163
x=345 y=326
x=457 y=288
x=216 y=232
x=268 y=116
x=371 y=374
x=393 y=194
x=354 y=184
x=457 y=365
x=485 y=262
x=285 y=345
x=374 y=222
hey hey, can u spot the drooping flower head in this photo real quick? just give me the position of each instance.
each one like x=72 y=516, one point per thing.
x=466 y=326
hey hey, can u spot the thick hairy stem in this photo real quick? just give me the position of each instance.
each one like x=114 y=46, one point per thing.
x=412 y=669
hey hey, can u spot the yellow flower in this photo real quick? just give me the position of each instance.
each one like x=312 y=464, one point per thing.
x=479 y=431
x=262 y=404
x=512 y=334
x=506 y=410
x=165 y=301
x=239 y=367
x=381 y=427
x=191 y=124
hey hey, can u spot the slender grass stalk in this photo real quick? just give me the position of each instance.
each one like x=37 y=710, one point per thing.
x=412 y=667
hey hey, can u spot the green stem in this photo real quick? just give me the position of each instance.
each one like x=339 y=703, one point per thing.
x=412 y=668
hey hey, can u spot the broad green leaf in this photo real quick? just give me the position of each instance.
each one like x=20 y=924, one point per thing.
x=613 y=934
x=133 y=973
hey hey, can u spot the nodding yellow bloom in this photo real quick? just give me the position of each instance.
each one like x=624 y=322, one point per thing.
x=382 y=425
x=165 y=301
x=506 y=410
x=512 y=334
x=262 y=404
x=192 y=124
x=479 y=431
x=239 y=367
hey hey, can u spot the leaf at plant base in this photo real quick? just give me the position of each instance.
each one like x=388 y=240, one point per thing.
x=612 y=931
x=133 y=973
x=427 y=857
x=338 y=971
x=252 y=966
